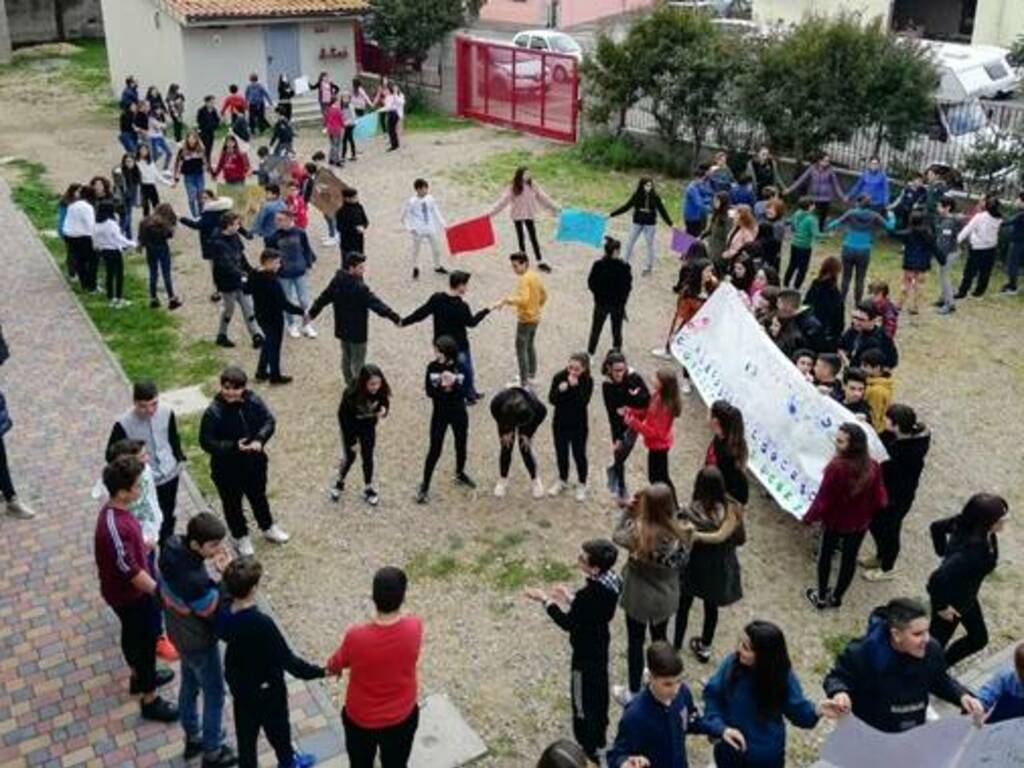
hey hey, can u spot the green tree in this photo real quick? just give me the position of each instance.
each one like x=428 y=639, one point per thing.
x=994 y=158
x=609 y=83
x=408 y=29
x=1017 y=52
x=901 y=91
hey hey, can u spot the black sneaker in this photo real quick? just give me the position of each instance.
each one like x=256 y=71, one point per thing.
x=215 y=297
x=174 y=303
x=160 y=711
x=257 y=341
x=701 y=651
x=543 y=267
x=461 y=478
x=960 y=295
x=193 y=749
x=415 y=273
x=281 y=379
x=224 y=341
x=422 y=497
x=163 y=677
x=154 y=303
x=821 y=603
x=441 y=270
x=370 y=496
x=222 y=758
x=261 y=376
x=1009 y=290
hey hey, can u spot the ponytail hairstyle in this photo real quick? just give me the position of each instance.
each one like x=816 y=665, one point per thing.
x=904 y=419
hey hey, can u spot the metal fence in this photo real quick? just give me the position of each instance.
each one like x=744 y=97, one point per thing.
x=943 y=143
x=525 y=89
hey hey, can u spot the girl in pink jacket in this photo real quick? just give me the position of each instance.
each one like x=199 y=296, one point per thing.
x=655 y=423
x=525 y=197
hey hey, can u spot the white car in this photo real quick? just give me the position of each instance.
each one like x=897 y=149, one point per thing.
x=973 y=71
x=550 y=41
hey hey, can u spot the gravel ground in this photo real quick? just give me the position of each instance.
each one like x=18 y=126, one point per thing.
x=469 y=554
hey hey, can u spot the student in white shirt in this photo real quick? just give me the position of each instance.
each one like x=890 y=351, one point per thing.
x=109 y=243
x=982 y=234
x=149 y=176
x=157 y=142
x=423 y=221
x=79 y=223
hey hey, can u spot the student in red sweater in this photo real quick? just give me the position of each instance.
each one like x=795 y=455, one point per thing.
x=380 y=709
x=128 y=587
x=850 y=495
x=296 y=203
x=233 y=163
x=233 y=104
x=655 y=424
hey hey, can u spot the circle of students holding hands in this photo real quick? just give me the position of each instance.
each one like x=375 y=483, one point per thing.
x=178 y=596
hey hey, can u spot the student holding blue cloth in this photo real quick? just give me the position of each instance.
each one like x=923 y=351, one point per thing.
x=858 y=225
x=1003 y=694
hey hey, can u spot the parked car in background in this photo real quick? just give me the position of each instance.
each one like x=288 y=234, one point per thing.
x=732 y=9
x=974 y=71
x=551 y=41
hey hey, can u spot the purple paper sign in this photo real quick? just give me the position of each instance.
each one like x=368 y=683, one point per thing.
x=681 y=241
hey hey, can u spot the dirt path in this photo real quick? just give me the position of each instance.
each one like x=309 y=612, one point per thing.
x=469 y=554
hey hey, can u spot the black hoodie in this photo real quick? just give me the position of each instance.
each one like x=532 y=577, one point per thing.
x=966 y=561
x=611 y=281
x=631 y=392
x=902 y=472
x=889 y=689
x=224 y=424
x=647 y=206
x=352 y=300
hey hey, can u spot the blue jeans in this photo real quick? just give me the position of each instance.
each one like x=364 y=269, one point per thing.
x=195 y=183
x=1013 y=264
x=160 y=261
x=201 y=672
x=129 y=141
x=158 y=146
x=465 y=360
x=647 y=230
x=332 y=228
x=296 y=290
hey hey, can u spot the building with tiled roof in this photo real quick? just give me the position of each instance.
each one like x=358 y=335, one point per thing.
x=205 y=45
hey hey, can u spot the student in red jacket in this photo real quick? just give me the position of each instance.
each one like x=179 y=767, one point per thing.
x=380 y=709
x=655 y=424
x=233 y=163
x=850 y=495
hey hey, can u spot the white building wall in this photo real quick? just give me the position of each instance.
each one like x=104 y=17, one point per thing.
x=142 y=41
x=998 y=22
x=215 y=57
x=337 y=34
x=792 y=11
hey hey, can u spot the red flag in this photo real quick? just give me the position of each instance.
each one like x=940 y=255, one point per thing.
x=471 y=235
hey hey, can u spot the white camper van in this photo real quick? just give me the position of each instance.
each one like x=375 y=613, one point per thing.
x=973 y=71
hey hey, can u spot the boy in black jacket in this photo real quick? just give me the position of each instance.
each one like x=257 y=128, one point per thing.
x=352 y=223
x=255 y=661
x=231 y=273
x=610 y=280
x=269 y=306
x=591 y=610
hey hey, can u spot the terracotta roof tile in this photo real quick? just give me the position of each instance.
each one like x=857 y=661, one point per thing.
x=200 y=10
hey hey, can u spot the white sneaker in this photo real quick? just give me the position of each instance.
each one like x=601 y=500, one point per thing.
x=662 y=353
x=538 y=489
x=329 y=241
x=556 y=488
x=622 y=695
x=19 y=511
x=685 y=386
x=124 y=303
x=293 y=331
x=309 y=330
x=244 y=547
x=581 y=492
x=275 y=534
x=500 y=487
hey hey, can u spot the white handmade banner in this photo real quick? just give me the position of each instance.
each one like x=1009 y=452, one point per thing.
x=790 y=426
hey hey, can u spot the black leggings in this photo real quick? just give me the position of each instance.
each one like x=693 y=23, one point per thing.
x=113 y=266
x=979 y=265
x=348 y=141
x=138 y=641
x=527 y=224
x=440 y=420
x=821 y=209
x=525 y=450
x=365 y=434
x=392 y=121
x=657 y=469
x=707 y=635
x=6 y=484
x=796 y=270
x=636 y=632
x=886 y=528
x=150 y=198
x=849 y=543
x=577 y=441
x=975 y=639
x=394 y=742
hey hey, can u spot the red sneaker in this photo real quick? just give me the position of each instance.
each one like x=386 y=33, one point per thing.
x=165 y=649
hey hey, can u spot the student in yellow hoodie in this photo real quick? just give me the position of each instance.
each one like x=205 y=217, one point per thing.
x=878 y=394
x=528 y=300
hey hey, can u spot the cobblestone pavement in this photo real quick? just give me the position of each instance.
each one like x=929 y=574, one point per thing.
x=63 y=684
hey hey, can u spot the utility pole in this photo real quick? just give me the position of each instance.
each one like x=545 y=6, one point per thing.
x=58 y=20
x=5 y=34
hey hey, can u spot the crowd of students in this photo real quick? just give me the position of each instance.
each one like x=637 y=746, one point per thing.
x=179 y=596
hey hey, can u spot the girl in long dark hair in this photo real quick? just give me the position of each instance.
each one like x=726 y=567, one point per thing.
x=444 y=385
x=155 y=232
x=571 y=389
x=655 y=423
x=826 y=301
x=525 y=199
x=518 y=414
x=713 y=570
x=622 y=387
x=716 y=235
x=907 y=442
x=285 y=94
x=969 y=548
x=176 y=110
x=850 y=495
x=647 y=206
x=697 y=281
x=563 y=754
x=365 y=402
x=129 y=180
x=728 y=449
x=751 y=695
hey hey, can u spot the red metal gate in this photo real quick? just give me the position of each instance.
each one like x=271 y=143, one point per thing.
x=529 y=90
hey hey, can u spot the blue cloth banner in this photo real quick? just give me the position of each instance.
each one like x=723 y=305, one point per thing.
x=575 y=226
x=367 y=126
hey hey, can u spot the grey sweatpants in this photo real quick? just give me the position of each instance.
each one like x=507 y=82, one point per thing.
x=945 y=279
x=229 y=299
x=526 y=351
x=353 y=357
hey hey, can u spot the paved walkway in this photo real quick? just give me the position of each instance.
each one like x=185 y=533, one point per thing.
x=63 y=684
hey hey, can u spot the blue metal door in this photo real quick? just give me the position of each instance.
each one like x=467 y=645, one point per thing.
x=281 y=42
